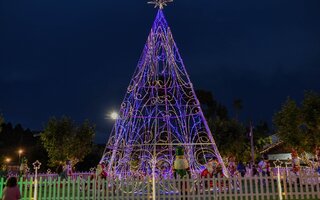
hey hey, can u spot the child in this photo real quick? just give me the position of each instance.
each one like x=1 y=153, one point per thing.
x=11 y=191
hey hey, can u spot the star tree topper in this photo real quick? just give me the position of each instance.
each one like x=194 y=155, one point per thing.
x=160 y=3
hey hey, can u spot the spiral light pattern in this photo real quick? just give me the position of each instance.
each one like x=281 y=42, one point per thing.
x=160 y=111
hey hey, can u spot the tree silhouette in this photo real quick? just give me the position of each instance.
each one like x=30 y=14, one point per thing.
x=299 y=125
x=64 y=140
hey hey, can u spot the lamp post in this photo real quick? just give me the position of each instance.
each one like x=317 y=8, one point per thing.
x=7 y=161
x=251 y=145
x=114 y=116
x=20 y=151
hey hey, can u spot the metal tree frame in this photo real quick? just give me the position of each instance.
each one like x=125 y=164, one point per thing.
x=160 y=111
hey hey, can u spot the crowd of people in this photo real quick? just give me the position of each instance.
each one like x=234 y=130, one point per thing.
x=260 y=168
x=213 y=168
x=181 y=168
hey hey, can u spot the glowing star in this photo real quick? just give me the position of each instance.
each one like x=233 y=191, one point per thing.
x=277 y=163
x=160 y=3
x=36 y=165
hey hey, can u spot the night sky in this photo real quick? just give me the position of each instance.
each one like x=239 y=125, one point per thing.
x=76 y=58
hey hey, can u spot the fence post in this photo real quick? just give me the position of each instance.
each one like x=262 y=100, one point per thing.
x=1 y=185
x=36 y=166
x=278 y=164
x=285 y=186
x=154 y=162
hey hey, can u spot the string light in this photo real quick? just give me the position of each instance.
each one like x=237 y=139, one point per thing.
x=160 y=110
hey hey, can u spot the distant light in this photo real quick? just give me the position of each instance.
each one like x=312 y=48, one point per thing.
x=20 y=151
x=8 y=160
x=114 y=115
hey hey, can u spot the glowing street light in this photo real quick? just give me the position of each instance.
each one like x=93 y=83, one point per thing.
x=20 y=151
x=8 y=160
x=114 y=115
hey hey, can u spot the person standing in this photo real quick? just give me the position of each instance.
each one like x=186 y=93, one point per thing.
x=232 y=168
x=254 y=170
x=241 y=168
x=11 y=191
x=295 y=162
x=67 y=170
x=262 y=167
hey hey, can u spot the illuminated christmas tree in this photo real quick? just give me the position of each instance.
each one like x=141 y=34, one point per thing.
x=159 y=112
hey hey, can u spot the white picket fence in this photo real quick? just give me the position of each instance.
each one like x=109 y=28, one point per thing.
x=236 y=188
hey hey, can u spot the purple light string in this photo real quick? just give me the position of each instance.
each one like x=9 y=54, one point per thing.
x=160 y=106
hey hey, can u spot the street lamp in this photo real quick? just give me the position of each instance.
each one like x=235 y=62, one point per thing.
x=20 y=151
x=8 y=160
x=114 y=115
